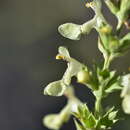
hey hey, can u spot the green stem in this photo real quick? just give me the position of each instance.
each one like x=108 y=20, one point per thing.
x=98 y=106
x=107 y=62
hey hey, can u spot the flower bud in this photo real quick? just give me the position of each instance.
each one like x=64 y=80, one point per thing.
x=106 y=29
x=83 y=76
x=114 y=45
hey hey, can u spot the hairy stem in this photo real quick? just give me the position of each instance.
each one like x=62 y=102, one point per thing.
x=98 y=106
x=107 y=62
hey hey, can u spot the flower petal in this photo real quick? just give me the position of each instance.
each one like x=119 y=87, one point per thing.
x=70 y=30
x=55 y=121
x=56 y=88
x=126 y=83
x=126 y=104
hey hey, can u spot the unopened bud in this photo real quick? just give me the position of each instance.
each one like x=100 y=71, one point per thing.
x=83 y=76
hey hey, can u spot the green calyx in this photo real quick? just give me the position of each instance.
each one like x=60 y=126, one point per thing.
x=86 y=120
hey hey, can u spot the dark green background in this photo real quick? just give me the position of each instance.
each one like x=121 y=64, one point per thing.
x=28 y=44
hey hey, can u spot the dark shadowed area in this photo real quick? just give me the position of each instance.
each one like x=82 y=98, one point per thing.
x=28 y=44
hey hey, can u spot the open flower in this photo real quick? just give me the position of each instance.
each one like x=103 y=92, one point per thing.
x=55 y=88
x=74 y=31
x=55 y=121
x=126 y=93
x=74 y=66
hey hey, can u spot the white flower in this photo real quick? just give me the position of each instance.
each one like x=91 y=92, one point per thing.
x=126 y=93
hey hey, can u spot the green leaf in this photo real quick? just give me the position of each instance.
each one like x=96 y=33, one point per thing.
x=101 y=47
x=86 y=118
x=91 y=121
x=56 y=88
x=83 y=111
x=123 y=13
x=106 y=122
x=110 y=82
x=108 y=119
x=70 y=30
x=112 y=115
x=114 y=87
x=112 y=6
x=125 y=43
x=78 y=126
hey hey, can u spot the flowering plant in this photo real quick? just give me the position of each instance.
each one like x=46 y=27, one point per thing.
x=101 y=80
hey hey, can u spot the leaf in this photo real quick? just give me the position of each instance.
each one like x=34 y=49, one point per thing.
x=112 y=115
x=70 y=30
x=123 y=13
x=108 y=119
x=112 y=79
x=56 y=88
x=105 y=122
x=112 y=6
x=125 y=43
x=114 y=87
x=86 y=110
x=109 y=80
x=86 y=118
x=78 y=126
x=102 y=48
x=91 y=121
x=83 y=111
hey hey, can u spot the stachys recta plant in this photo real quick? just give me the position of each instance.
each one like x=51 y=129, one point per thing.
x=101 y=80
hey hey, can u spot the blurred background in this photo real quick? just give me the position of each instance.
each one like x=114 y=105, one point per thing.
x=28 y=44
